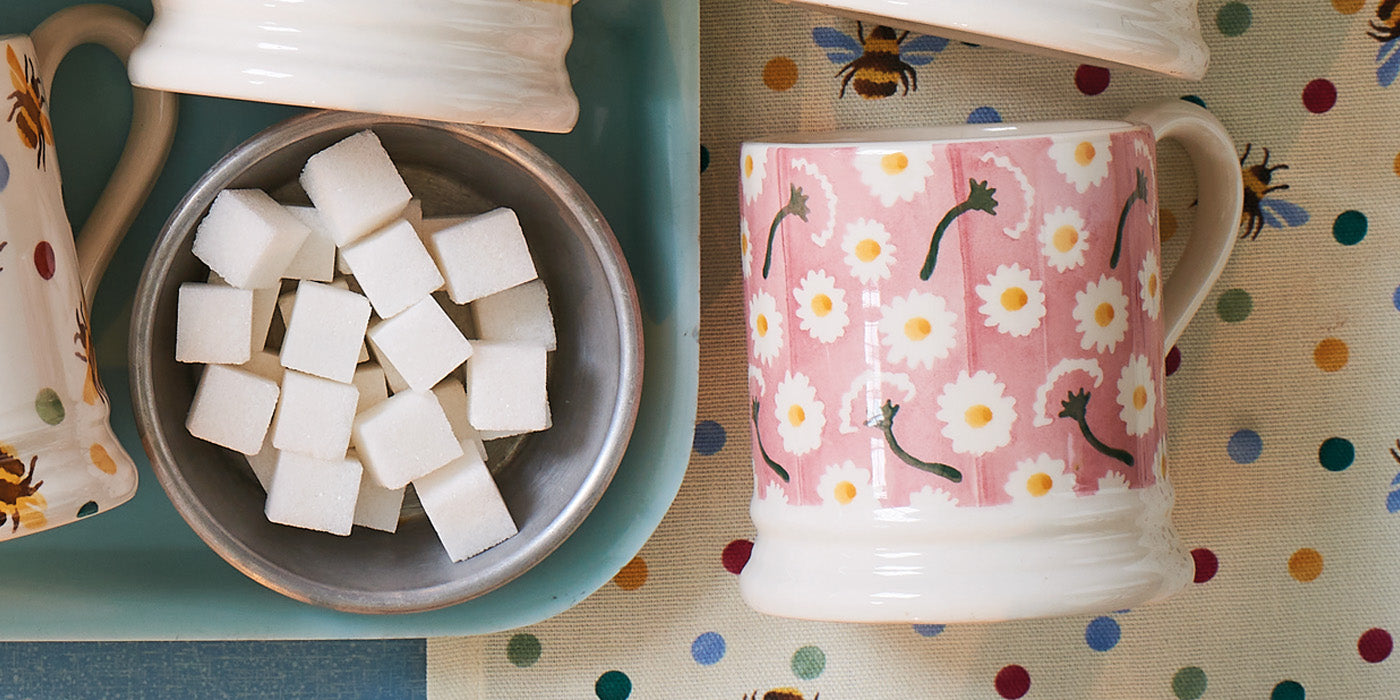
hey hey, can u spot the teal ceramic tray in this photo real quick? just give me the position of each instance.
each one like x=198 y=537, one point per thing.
x=139 y=572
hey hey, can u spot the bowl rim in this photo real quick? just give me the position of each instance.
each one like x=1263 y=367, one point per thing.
x=574 y=203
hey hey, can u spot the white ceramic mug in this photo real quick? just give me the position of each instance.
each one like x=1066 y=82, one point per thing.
x=494 y=62
x=59 y=460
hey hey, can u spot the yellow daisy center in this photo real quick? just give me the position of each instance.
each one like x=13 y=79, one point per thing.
x=1014 y=298
x=867 y=249
x=1152 y=284
x=796 y=415
x=1103 y=314
x=894 y=163
x=744 y=244
x=845 y=492
x=748 y=166
x=1140 y=397
x=1084 y=153
x=762 y=325
x=1039 y=484
x=978 y=416
x=917 y=328
x=821 y=305
x=1064 y=238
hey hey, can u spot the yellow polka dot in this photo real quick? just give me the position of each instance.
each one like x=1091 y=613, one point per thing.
x=1331 y=354
x=978 y=416
x=1014 y=299
x=1396 y=164
x=821 y=305
x=762 y=325
x=1152 y=285
x=1140 y=397
x=1305 y=564
x=1166 y=226
x=632 y=576
x=1039 y=484
x=894 y=163
x=1084 y=153
x=780 y=73
x=867 y=249
x=1348 y=7
x=748 y=166
x=917 y=328
x=102 y=460
x=796 y=415
x=1103 y=314
x=845 y=492
x=1065 y=238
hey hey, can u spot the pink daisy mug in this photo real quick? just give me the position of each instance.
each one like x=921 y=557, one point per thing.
x=956 y=355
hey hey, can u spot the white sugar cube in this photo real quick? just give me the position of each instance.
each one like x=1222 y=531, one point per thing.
x=315 y=260
x=519 y=314
x=264 y=463
x=248 y=239
x=377 y=507
x=394 y=380
x=482 y=255
x=265 y=363
x=326 y=331
x=355 y=187
x=427 y=227
x=465 y=507
x=393 y=268
x=404 y=438
x=264 y=307
x=314 y=416
x=421 y=344
x=232 y=408
x=313 y=493
x=413 y=213
x=214 y=324
x=452 y=396
x=288 y=301
x=369 y=381
x=506 y=387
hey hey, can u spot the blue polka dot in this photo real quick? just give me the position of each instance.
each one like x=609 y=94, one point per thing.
x=4 y=173
x=707 y=649
x=1102 y=633
x=1392 y=502
x=1245 y=446
x=709 y=437
x=984 y=115
x=929 y=630
x=1395 y=298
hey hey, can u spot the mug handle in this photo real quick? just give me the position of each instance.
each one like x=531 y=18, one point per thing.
x=1220 y=191
x=147 y=144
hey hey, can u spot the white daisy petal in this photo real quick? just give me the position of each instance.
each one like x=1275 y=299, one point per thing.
x=765 y=327
x=1039 y=477
x=918 y=329
x=753 y=167
x=1063 y=238
x=1012 y=302
x=746 y=247
x=1113 y=482
x=976 y=412
x=1150 y=285
x=897 y=171
x=800 y=415
x=868 y=250
x=1102 y=312
x=1083 y=159
x=821 y=306
x=844 y=485
x=1137 y=396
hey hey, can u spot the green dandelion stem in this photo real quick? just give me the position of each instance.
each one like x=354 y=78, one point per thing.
x=886 y=425
x=1139 y=194
x=777 y=468
x=1076 y=408
x=796 y=206
x=979 y=198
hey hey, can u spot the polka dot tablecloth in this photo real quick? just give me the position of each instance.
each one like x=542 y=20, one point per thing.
x=1284 y=395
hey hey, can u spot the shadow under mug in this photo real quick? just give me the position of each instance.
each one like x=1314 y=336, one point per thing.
x=956 y=342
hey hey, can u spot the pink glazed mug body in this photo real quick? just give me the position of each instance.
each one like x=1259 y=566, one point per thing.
x=956 y=342
x=59 y=460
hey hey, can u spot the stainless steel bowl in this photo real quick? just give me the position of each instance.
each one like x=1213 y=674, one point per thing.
x=549 y=480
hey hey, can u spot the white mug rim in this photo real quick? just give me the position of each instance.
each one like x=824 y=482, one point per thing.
x=943 y=134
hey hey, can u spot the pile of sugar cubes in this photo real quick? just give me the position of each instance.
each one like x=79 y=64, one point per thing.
x=364 y=396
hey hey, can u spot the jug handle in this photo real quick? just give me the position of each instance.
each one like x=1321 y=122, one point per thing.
x=1221 y=195
x=147 y=144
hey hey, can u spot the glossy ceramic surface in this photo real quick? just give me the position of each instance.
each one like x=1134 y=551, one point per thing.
x=1163 y=36
x=496 y=62
x=141 y=573
x=959 y=399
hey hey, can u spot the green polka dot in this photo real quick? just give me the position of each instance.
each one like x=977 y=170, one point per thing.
x=1233 y=18
x=613 y=685
x=1189 y=683
x=88 y=509
x=1349 y=227
x=1234 y=306
x=1194 y=99
x=808 y=663
x=1336 y=454
x=49 y=406
x=1288 y=690
x=523 y=650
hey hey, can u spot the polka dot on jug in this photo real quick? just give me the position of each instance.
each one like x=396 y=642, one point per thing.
x=44 y=262
x=4 y=173
x=1319 y=96
x=49 y=406
x=1233 y=19
x=523 y=650
x=88 y=509
x=707 y=649
x=613 y=685
x=808 y=662
x=1091 y=80
x=1012 y=682
x=1244 y=446
x=1288 y=690
x=1206 y=564
x=633 y=575
x=1375 y=645
x=1305 y=565
x=1189 y=683
x=780 y=73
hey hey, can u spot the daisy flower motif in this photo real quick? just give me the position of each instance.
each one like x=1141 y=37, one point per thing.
x=774 y=494
x=765 y=326
x=746 y=247
x=1137 y=395
x=844 y=484
x=821 y=306
x=753 y=167
x=800 y=415
x=1102 y=312
x=932 y=500
x=918 y=329
x=1012 y=301
x=976 y=412
x=868 y=250
x=1083 y=159
x=1159 y=460
x=1039 y=477
x=1113 y=482
x=895 y=173
x=1063 y=239
x=1150 y=285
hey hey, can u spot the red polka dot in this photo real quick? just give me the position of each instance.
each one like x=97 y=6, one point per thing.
x=1173 y=360
x=1319 y=96
x=1206 y=564
x=736 y=555
x=1091 y=80
x=44 y=260
x=1375 y=645
x=1013 y=682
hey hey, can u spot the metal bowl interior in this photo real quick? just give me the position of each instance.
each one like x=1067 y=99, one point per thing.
x=549 y=480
